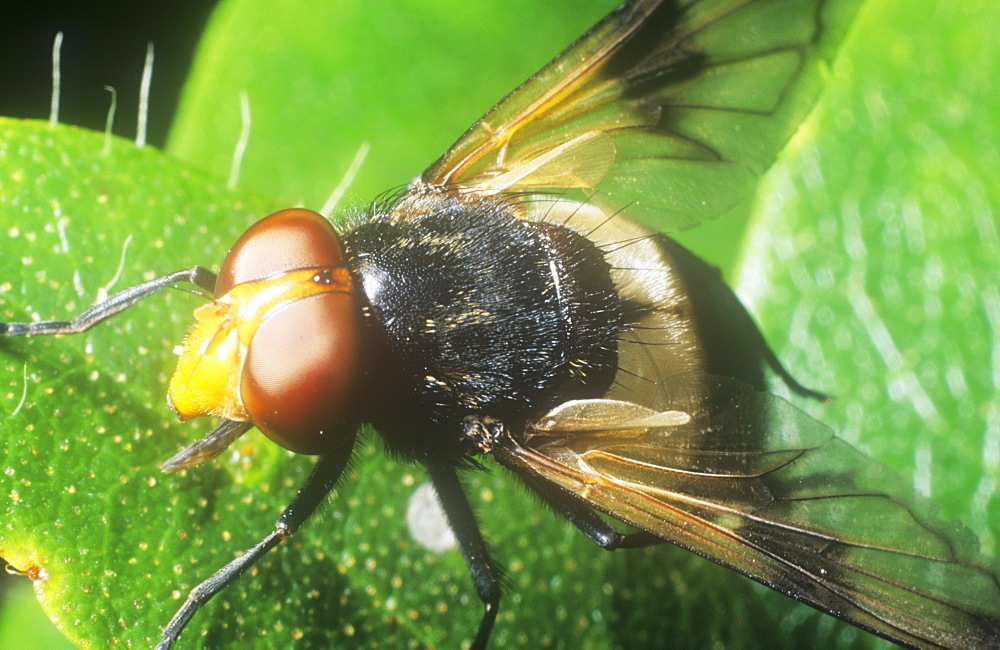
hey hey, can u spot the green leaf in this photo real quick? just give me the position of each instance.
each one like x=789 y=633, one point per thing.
x=874 y=259
x=84 y=422
x=321 y=78
x=84 y=418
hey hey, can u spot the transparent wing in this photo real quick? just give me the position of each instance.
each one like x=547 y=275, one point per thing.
x=752 y=483
x=671 y=108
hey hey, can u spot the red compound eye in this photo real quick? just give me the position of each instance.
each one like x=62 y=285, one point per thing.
x=300 y=377
x=284 y=241
x=299 y=381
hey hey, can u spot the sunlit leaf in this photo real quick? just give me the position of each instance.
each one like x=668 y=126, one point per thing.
x=354 y=574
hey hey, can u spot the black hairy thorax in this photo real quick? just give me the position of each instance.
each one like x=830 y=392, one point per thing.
x=478 y=311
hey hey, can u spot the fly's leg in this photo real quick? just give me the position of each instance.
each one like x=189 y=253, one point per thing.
x=486 y=576
x=116 y=303
x=324 y=476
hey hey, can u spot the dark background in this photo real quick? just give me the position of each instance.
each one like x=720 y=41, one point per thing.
x=104 y=44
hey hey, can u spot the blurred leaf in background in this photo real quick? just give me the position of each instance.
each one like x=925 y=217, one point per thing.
x=871 y=261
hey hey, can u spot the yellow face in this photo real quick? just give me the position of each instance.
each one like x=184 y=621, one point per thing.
x=208 y=378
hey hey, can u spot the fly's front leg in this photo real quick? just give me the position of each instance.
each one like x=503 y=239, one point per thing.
x=201 y=277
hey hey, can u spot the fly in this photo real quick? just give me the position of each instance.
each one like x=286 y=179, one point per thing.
x=512 y=303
